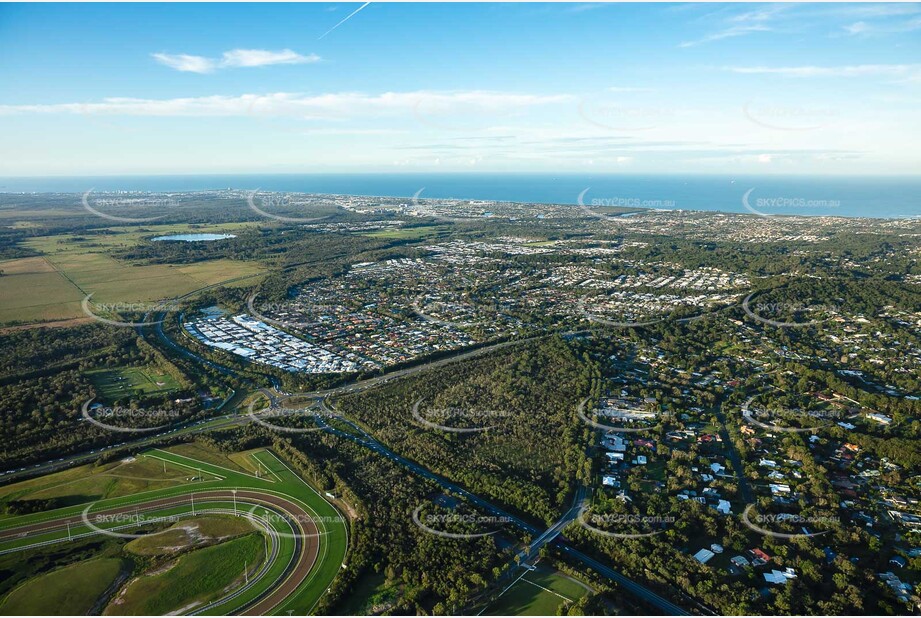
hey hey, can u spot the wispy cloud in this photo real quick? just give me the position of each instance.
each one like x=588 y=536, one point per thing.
x=741 y=24
x=862 y=28
x=873 y=10
x=329 y=106
x=235 y=58
x=185 y=62
x=728 y=33
x=628 y=89
x=907 y=71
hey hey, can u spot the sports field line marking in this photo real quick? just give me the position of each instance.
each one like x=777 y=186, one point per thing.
x=185 y=465
x=259 y=461
x=503 y=592
x=206 y=465
x=119 y=500
x=567 y=599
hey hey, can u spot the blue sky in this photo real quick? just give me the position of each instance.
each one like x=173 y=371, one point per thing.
x=652 y=88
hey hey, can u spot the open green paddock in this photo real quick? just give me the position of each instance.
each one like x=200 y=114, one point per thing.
x=279 y=480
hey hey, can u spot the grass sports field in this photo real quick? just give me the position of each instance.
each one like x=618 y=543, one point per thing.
x=285 y=570
x=537 y=593
x=124 y=382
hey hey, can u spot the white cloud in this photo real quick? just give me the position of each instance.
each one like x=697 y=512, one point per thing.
x=759 y=15
x=857 y=28
x=628 y=89
x=235 y=58
x=184 y=62
x=728 y=33
x=261 y=57
x=327 y=106
x=742 y=24
x=864 y=28
x=910 y=71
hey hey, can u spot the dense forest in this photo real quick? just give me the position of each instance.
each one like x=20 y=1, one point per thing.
x=533 y=454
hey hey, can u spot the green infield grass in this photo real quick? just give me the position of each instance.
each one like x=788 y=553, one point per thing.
x=191 y=533
x=72 y=590
x=192 y=580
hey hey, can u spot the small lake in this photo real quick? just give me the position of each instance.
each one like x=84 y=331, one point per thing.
x=195 y=237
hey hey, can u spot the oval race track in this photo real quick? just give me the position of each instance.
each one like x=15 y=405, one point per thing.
x=306 y=536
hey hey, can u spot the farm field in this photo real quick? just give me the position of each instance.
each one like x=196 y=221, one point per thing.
x=539 y=592
x=115 y=384
x=51 y=287
x=32 y=290
x=121 y=237
x=72 y=590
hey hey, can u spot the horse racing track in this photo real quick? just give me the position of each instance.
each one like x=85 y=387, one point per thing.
x=190 y=545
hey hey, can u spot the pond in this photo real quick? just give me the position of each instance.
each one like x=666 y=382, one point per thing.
x=195 y=237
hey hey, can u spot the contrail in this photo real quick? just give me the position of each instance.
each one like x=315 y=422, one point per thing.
x=348 y=17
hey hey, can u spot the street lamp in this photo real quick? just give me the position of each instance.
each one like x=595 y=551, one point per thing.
x=234 y=492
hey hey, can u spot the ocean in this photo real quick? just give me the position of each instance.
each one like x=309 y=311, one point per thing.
x=845 y=196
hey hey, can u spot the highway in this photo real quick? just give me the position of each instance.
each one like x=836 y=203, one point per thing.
x=542 y=536
x=366 y=440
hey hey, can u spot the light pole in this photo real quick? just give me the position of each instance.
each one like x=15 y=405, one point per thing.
x=234 y=492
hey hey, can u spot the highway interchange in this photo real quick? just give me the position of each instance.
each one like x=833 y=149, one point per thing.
x=364 y=439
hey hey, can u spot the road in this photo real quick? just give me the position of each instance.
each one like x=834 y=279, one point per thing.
x=543 y=536
x=366 y=440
